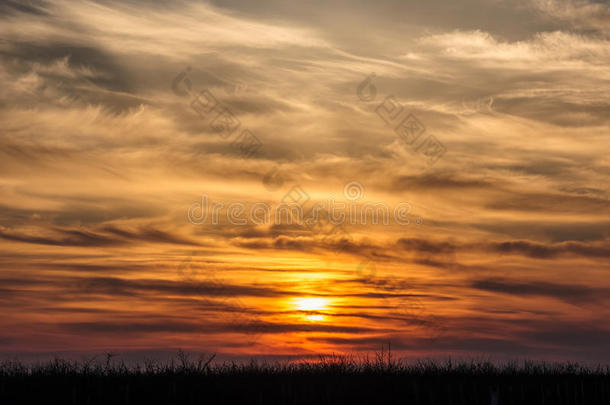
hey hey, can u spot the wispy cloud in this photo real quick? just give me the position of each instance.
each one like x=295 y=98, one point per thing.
x=100 y=160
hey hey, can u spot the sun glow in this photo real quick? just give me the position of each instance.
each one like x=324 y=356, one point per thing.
x=310 y=304
x=315 y=318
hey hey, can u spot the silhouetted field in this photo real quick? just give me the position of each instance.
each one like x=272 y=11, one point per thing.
x=329 y=380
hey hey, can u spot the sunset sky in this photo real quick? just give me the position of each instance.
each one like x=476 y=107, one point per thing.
x=109 y=143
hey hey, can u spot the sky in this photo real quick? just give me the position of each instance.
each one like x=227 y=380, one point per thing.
x=147 y=148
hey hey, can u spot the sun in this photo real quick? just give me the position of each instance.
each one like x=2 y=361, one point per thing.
x=310 y=304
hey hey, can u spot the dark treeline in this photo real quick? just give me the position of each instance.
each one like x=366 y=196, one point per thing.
x=328 y=380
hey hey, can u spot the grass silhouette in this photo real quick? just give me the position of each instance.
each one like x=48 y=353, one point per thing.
x=327 y=380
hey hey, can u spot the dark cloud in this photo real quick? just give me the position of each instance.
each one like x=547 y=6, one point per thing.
x=204 y=285
x=34 y=7
x=541 y=251
x=69 y=237
x=84 y=75
x=555 y=231
x=105 y=236
x=149 y=234
x=427 y=246
x=438 y=181
x=427 y=249
x=560 y=203
x=574 y=294
x=174 y=326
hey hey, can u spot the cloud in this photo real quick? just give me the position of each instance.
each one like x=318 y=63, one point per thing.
x=106 y=236
x=541 y=251
x=582 y=14
x=402 y=247
x=13 y=7
x=169 y=326
x=67 y=238
x=101 y=158
x=574 y=294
